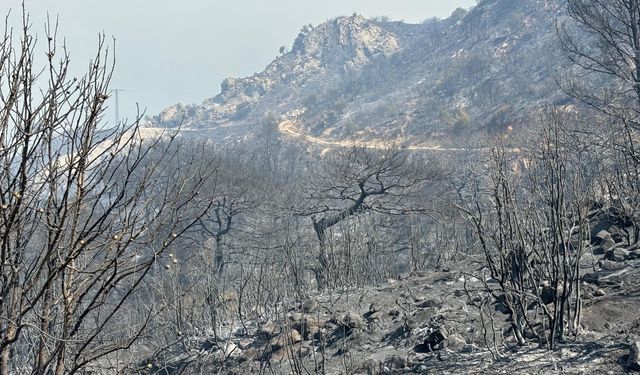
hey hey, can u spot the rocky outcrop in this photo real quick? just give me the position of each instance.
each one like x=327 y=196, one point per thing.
x=339 y=47
x=633 y=361
x=479 y=72
x=346 y=44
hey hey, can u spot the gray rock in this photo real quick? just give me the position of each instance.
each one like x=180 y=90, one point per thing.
x=455 y=341
x=633 y=361
x=231 y=350
x=268 y=329
x=250 y=354
x=427 y=304
x=378 y=315
x=599 y=293
x=617 y=254
x=609 y=265
x=353 y=321
x=549 y=295
x=616 y=234
x=396 y=362
x=374 y=308
x=309 y=305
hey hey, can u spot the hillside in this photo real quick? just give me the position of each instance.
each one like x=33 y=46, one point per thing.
x=436 y=83
x=419 y=323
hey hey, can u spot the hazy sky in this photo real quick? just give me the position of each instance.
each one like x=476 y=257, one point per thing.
x=179 y=51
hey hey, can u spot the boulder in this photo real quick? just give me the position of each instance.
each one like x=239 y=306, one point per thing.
x=353 y=321
x=429 y=303
x=309 y=306
x=616 y=234
x=289 y=338
x=396 y=362
x=268 y=329
x=604 y=239
x=634 y=254
x=617 y=254
x=455 y=341
x=231 y=350
x=633 y=361
x=434 y=341
x=250 y=354
x=549 y=295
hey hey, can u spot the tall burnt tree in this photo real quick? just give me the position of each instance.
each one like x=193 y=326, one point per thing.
x=356 y=180
x=602 y=40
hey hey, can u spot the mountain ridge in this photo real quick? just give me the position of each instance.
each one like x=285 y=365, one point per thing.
x=477 y=72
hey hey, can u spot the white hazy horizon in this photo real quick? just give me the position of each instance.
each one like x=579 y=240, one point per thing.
x=169 y=52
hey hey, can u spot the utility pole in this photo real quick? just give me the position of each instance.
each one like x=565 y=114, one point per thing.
x=117 y=91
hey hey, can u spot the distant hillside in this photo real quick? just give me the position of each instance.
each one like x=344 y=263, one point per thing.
x=478 y=72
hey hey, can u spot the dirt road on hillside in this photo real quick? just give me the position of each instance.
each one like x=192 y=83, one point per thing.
x=290 y=128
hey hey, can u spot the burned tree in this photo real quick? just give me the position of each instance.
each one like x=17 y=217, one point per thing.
x=85 y=211
x=218 y=224
x=230 y=196
x=602 y=40
x=530 y=211
x=352 y=181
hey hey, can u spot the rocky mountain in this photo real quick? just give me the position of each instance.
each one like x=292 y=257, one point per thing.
x=352 y=79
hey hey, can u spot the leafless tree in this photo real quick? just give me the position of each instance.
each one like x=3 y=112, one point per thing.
x=86 y=210
x=531 y=221
x=605 y=46
x=602 y=40
x=231 y=195
x=352 y=181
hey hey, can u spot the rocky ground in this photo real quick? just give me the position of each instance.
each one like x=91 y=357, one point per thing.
x=429 y=322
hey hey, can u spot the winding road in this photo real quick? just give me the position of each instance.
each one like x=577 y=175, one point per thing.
x=290 y=128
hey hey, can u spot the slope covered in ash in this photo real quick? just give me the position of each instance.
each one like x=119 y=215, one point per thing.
x=478 y=72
